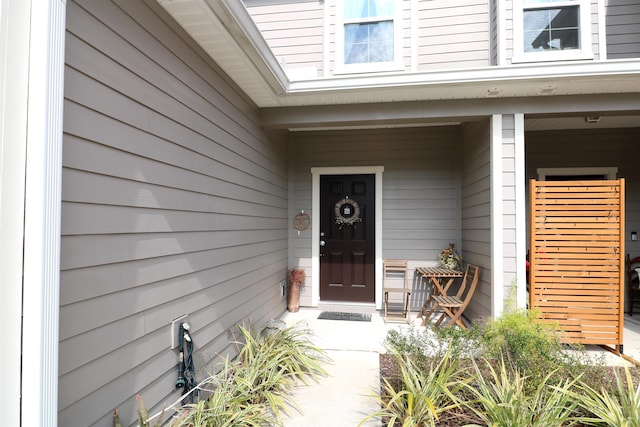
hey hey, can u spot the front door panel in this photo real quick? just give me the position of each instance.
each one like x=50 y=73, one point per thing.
x=347 y=236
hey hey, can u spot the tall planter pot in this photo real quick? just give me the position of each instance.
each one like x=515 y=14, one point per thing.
x=293 y=299
x=296 y=279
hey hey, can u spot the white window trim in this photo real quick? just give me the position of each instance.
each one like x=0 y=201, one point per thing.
x=609 y=172
x=395 y=65
x=585 y=51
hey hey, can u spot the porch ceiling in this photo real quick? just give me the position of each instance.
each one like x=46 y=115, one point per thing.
x=225 y=30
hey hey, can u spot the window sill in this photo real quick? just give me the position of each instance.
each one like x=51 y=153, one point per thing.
x=369 y=68
x=551 y=56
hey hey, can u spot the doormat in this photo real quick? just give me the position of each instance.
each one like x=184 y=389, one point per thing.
x=336 y=315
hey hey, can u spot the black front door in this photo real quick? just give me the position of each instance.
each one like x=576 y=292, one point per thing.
x=347 y=238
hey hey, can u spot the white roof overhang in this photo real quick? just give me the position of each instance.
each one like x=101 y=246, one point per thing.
x=226 y=31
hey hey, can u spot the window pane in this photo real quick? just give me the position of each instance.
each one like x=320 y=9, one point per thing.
x=551 y=29
x=371 y=42
x=354 y=9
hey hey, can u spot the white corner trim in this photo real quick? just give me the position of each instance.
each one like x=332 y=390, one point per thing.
x=497 y=223
x=414 y=35
x=326 y=42
x=501 y=48
x=316 y=172
x=602 y=31
x=41 y=280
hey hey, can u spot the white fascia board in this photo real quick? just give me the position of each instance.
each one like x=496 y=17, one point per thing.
x=524 y=72
x=239 y=22
x=244 y=45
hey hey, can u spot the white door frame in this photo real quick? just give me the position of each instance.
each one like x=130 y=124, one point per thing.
x=316 y=173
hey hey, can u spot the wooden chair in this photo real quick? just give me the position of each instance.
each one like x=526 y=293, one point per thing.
x=633 y=277
x=453 y=306
x=396 y=267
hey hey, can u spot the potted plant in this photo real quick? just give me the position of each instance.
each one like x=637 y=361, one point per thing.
x=449 y=258
x=296 y=280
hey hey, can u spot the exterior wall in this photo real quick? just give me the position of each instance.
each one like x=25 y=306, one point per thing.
x=623 y=29
x=476 y=212
x=294 y=31
x=447 y=34
x=495 y=43
x=174 y=202
x=508 y=23
x=453 y=34
x=421 y=212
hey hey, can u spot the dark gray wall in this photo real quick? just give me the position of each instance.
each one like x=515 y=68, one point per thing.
x=174 y=202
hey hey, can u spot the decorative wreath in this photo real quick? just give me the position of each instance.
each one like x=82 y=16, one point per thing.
x=301 y=221
x=347 y=212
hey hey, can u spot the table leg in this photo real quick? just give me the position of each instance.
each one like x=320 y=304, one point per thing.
x=437 y=288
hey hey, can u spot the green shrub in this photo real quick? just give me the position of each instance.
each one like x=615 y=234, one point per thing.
x=416 y=343
x=427 y=343
x=533 y=347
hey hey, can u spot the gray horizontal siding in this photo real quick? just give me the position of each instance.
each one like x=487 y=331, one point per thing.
x=509 y=220
x=476 y=212
x=623 y=29
x=174 y=202
x=293 y=30
x=453 y=34
x=420 y=186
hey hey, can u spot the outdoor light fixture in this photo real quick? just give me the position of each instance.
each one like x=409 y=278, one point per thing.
x=634 y=236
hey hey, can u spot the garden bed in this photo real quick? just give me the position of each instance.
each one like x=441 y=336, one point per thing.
x=390 y=370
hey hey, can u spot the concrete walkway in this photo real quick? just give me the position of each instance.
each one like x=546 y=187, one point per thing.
x=343 y=398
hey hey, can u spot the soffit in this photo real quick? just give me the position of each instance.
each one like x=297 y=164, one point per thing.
x=225 y=30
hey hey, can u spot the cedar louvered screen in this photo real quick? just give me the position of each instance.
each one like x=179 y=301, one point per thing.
x=577 y=258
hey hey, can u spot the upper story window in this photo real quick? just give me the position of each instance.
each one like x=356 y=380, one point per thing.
x=368 y=35
x=551 y=30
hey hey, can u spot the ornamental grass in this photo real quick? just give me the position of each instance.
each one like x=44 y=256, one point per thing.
x=252 y=389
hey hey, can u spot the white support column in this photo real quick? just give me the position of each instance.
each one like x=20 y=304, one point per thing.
x=42 y=214
x=521 y=211
x=497 y=226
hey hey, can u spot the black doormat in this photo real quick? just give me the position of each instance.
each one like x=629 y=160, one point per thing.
x=336 y=315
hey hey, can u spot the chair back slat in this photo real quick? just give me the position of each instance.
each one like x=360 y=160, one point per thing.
x=472 y=275
x=453 y=306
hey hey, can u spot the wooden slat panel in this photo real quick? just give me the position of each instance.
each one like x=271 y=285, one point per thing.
x=577 y=230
